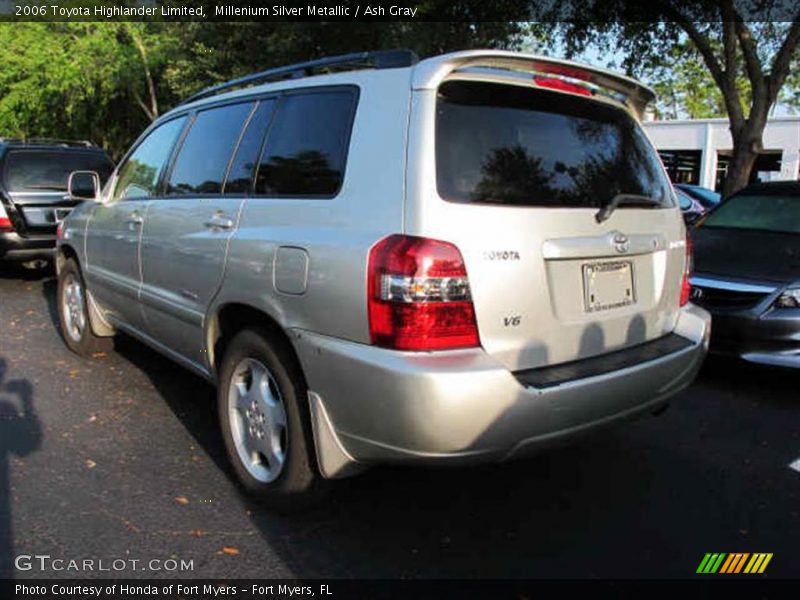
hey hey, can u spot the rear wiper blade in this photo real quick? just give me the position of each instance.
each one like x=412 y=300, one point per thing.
x=605 y=212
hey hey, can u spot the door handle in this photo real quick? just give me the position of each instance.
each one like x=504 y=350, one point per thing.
x=219 y=221
x=135 y=219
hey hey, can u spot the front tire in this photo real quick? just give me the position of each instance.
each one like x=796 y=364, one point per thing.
x=73 y=313
x=265 y=422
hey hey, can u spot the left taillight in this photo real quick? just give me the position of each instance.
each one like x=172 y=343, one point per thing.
x=688 y=267
x=5 y=222
x=419 y=296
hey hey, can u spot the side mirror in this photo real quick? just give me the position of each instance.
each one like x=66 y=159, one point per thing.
x=84 y=185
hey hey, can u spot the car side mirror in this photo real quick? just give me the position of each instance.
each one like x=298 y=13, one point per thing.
x=84 y=185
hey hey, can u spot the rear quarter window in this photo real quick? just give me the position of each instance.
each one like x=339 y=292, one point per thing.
x=515 y=145
x=243 y=166
x=306 y=148
x=48 y=171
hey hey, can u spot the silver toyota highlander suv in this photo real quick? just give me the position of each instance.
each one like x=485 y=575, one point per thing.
x=378 y=259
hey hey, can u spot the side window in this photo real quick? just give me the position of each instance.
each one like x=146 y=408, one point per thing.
x=243 y=167
x=138 y=177
x=206 y=150
x=306 y=149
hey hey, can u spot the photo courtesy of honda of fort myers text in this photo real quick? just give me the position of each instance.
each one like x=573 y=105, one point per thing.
x=163 y=589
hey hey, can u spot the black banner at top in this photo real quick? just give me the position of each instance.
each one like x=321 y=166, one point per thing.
x=394 y=10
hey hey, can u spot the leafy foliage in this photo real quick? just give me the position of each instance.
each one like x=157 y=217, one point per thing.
x=686 y=47
x=73 y=80
x=107 y=81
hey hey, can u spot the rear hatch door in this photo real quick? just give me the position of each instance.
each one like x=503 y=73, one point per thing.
x=521 y=174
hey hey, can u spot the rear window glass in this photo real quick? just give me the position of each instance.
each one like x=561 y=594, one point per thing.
x=206 y=151
x=306 y=148
x=37 y=171
x=762 y=212
x=513 y=145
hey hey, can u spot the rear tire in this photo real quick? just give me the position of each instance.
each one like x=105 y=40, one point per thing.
x=73 y=313
x=264 y=417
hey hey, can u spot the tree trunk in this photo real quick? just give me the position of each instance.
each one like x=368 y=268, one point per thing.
x=748 y=135
x=745 y=152
x=151 y=108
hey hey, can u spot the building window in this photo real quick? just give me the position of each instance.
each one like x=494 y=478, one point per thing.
x=683 y=166
x=767 y=165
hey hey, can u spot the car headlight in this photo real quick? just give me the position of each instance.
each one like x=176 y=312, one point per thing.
x=789 y=299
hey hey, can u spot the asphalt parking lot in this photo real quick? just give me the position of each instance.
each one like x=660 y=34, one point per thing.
x=119 y=457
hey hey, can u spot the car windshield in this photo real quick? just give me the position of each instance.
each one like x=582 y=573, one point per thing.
x=48 y=171
x=760 y=212
x=521 y=146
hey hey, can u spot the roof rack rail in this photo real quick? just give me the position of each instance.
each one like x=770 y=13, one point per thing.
x=48 y=142
x=380 y=59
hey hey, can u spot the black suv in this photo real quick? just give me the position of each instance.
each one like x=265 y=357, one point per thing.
x=33 y=192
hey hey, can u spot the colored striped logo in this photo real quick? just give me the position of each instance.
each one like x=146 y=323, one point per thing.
x=737 y=562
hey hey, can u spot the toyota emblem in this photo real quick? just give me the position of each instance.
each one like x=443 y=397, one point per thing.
x=621 y=243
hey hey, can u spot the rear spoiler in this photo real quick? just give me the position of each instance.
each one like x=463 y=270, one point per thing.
x=430 y=73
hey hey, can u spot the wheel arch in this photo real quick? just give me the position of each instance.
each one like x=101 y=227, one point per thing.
x=333 y=460
x=63 y=253
x=232 y=317
x=100 y=326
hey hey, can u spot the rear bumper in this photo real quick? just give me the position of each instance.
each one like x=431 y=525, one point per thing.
x=464 y=407
x=14 y=247
x=772 y=338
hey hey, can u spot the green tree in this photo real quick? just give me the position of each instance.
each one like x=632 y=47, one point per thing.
x=107 y=81
x=685 y=87
x=748 y=61
x=215 y=52
x=80 y=80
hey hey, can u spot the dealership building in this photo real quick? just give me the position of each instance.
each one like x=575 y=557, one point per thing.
x=698 y=151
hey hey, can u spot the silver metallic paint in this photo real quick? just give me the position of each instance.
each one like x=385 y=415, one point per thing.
x=166 y=281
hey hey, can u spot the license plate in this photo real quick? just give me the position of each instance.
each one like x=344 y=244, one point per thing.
x=608 y=285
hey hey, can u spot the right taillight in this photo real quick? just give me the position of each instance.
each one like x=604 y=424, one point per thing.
x=5 y=222
x=418 y=296
x=688 y=267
